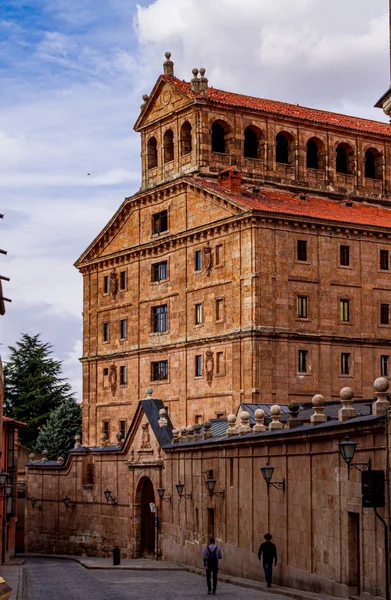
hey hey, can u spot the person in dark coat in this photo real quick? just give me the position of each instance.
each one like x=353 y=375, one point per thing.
x=211 y=556
x=268 y=552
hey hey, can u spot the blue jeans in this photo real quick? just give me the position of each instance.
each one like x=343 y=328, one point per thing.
x=268 y=568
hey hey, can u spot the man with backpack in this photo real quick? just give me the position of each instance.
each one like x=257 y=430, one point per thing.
x=211 y=556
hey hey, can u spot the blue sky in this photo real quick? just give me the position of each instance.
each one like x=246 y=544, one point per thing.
x=72 y=74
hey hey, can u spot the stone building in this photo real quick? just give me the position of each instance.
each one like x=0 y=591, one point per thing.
x=252 y=266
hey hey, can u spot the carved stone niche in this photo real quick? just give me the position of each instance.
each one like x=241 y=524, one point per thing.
x=114 y=282
x=113 y=379
x=208 y=258
x=146 y=438
x=209 y=366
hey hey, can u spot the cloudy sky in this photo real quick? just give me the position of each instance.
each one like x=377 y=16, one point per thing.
x=72 y=74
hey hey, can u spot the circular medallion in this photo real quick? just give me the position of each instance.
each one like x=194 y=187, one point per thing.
x=166 y=97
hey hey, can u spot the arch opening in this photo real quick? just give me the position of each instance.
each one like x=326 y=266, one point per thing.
x=168 y=146
x=344 y=159
x=145 y=495
x=152 y=153
x=252 y=138
x=220 y=134
x=373 y=164
x=284 y=147
x=185 y=139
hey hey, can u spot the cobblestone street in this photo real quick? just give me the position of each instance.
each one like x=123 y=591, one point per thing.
x=46 y=579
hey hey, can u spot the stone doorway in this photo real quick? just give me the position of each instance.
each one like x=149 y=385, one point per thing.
x=147 y=529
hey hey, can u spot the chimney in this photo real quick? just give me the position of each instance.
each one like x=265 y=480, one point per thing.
x=195 y=82
x=230 y=179
x=168 y=65
x=203 y=83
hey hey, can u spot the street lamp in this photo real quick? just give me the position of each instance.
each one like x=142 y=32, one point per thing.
x=210 y=484
x=68 y=503
x=179 y=488
x=267 y=473
x=347 y=450
x=160 y=492
x=33 y=501
x=109 y=498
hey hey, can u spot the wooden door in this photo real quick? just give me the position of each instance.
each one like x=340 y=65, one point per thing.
x=147 y=520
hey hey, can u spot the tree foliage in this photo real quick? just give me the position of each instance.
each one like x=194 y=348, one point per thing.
x=33 y=385
x=58 y=435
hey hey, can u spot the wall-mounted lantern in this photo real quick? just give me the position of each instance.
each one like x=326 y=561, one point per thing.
x=109 y=498
x=179 y=488
x=68 y=503
x=160 y=492
x=347 y=450
x=267 y=473
x=33 y=501
x=210 y=484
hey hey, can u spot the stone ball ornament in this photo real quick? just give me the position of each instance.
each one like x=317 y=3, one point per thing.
x=318 y=400
x=275 y=410
x=346 y=393
x=381 y=384
x=294 y=406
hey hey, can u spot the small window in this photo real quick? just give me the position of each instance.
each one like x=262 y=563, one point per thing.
x=219 y=254
x=198 y=418
x=160 y=222
x=122 y=428
x=198 y=314
x=219 y=309
x=123 y=328
x=160 y=271
x=168 y=146
x=159 y=370
x=198 y=260
x=152 y=153
x=185 y=138
x=105 y=372
x=122 y=280
x=384 y=314
x=302 y=250
x=106 y=284
x=345 y=363
x=302 y=361
x=160 y=318
x=384 y=260
x=220 y=414
x=122 y=375
x=219 y=363
x=344 y=310
x=218 y=138
x=344 y=258
x=384 y=365
x=105 y=429
x=198 y=365
x=105 y=332
x=302 y=307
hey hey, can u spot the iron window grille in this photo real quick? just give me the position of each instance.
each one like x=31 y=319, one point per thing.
x=302 y=307
x=344 y=310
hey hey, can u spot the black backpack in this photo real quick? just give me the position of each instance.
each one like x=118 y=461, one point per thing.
x=211 y=560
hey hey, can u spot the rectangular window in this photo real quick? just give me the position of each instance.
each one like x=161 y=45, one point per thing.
x=220 y=415
x=302 y=307
x=198 y=260
x=122 y=428
x=159 y=370
x=345 y=363
x=122 y=375
x=219 y=363
x=105 y=429
x=123 y=327
x=302 y=361
x=105 y=332
x=302 y=250
x=384 y=365
x=198 y=314
x=219 y=254
x=219 y=309
x=105 y=372
x=198 y=365
x=160 y=222
x=122 y=280
x=344 y=258
x=384 y=314
x=160 y=271
x=344 y=310
x=160 y=318
x=11 y=458
x=106 y=284
x=384 y=262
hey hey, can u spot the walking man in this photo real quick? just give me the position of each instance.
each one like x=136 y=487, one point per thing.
x=268 y=552
x=211 y=556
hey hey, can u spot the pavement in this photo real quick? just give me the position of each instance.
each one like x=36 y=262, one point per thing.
x=31 y=577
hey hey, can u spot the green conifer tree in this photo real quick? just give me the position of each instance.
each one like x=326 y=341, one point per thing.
x=58 y=435
x=33 y=385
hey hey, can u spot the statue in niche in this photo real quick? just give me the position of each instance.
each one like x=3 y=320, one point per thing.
x=207 y=252
x=113 y=379
x=114 y=282
x=209 y=366
x=146 y=440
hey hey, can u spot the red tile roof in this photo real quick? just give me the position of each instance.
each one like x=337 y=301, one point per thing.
x=284 y=109
x=285 y=203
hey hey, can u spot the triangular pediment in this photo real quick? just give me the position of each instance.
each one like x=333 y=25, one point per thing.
x=165 y=99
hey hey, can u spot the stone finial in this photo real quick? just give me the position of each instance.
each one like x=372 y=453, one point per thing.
x=168 y=65
x=120 y=438
x=145 y=101
x=195 y=82
x=162 y=421
x=44 y=456
x=203 y=85
x=175 y=436
x=381 y=385
x=347 y=411
x=190 y=433
x=103 y=440
x=318 y=404
x=275 y=413
x=197 y=431
x=232 y=430
x=183 y=431
x=149 y=392
x=259 y=421
x=244 y=423
x=294 y=420
x=60 y=460
x=31 y=456
x=77 y=441
x=207 y=430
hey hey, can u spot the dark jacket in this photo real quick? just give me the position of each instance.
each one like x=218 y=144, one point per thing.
x=268 y=552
